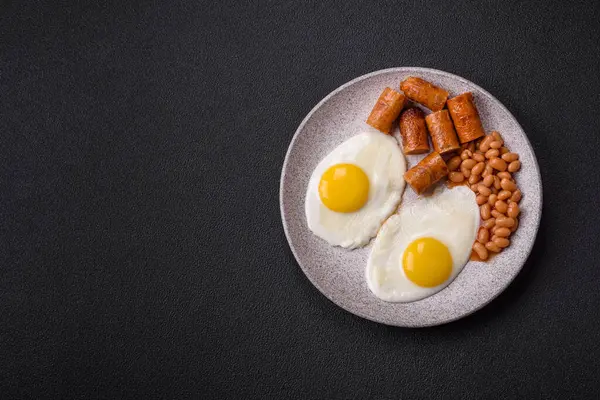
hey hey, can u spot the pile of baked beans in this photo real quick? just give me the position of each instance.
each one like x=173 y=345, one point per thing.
x=487 y=166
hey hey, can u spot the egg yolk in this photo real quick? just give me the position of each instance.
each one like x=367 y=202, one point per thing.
x=344 y=188
x=427 y=262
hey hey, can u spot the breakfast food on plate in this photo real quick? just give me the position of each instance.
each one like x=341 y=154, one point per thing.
x=427 y=172
x=420 y=250
x=354 y=189
x=466 y=118
x=489 y=168
x=386 y=110
x=441 y=129
x=414 y=131
x=423 y=92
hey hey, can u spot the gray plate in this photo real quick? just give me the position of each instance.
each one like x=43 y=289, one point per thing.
x=339 y=273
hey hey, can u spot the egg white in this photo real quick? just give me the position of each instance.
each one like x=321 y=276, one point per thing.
x=380 y=157
x=449 y=215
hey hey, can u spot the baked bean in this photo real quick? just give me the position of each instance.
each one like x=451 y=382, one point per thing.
x=488 y=180
x=497 y=183
x=513 y=210
x=465 y=171
x=468 y=163
x=489 y=223
x=481 y=199
x=478 y=168
x=478 y=156
x=510 y=157
x=483 y=235
x=504 y=194
x=505 y=222
x=516 y=196
x=515 y=226
x=501 y=242
x=474 y=187
x=494 y=190
x=504 y=175
x=508 y=185
x=495 y=144
x=484 y=190
x=485 y=211
x=498 y=164
x=491 y=246
x=514 y=166
x=497 y=214
x=485 y=143
x=454 y=163
x=481 y=251
x=497 y=137
x=492 y=199
x=502 y=232
x=504 y=150
x=493 y=230
x=466 y=154
x=492 y=153
x=471 y=147
x=456 y=177
x=473 y=179
x=501 y=206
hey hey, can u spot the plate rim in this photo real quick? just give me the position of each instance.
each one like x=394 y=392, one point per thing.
x=366 y=76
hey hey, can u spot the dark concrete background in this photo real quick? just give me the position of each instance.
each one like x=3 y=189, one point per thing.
x=141 y=248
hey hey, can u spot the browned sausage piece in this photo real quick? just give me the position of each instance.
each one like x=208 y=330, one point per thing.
x=413 y=131
x=465 y=117
x=424 y=92
x=386 y=110
x=441 y=129
x=427 y=172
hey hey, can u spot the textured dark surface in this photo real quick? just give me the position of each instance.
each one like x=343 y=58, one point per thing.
x=141 y=247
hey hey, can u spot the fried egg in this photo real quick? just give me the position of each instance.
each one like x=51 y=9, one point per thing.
x=355 y=188
x=420 y=250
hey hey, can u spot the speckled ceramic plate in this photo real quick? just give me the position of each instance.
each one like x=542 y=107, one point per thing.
x=339 y=273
